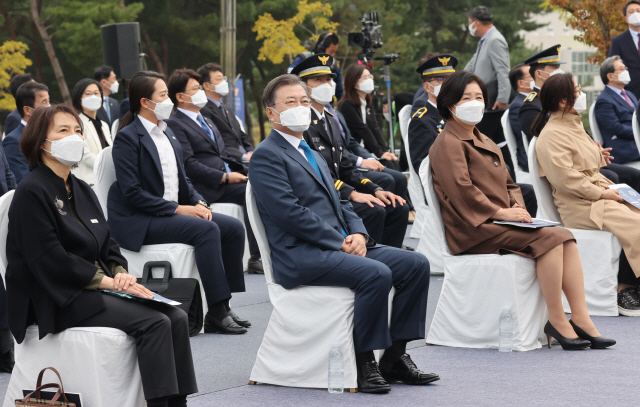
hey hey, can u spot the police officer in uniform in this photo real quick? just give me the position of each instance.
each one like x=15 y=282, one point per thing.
x=426 y=123
x=383 y=213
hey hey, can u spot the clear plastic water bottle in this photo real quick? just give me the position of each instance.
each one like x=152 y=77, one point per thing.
x=336 y=370
x=506 y=331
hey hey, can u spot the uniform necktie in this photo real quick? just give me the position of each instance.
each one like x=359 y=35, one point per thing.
x=208 y=130
x=624 y=94
x=312 y=160
x=324 y=124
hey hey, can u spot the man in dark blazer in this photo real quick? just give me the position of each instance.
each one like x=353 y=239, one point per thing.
x=13 y=119
x=124 y=108
x=521 y=83
x=215 y=85
x=217 y=176
x=316 y=239
x=627 y=46
x=614 y=111
x=110 y=110
x=29 y=97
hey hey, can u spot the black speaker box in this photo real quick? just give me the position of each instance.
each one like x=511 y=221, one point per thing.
x=121 y=48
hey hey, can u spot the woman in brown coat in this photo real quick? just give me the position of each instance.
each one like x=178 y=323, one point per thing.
x=474 y=189
x=571 y=162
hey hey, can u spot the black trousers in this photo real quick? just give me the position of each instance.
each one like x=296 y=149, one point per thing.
x=626 y=276
x=371 y=279
x=389 y=180
x=219 y=246
x=386 y=225
x=530 y=200
x=625 y=175
x=162 y=343
x=235 y=194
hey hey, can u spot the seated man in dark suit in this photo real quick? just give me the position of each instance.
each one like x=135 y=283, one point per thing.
x=29 y=97
x=215 y=86
x=614 y=111
x=13 y=119
x=316 y=239
x=110 y=109
x=522 y=83
x=214 y=174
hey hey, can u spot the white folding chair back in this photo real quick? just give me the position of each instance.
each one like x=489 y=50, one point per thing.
x=593 y=123
x=525 y=141
x=521 y=176
x=599 y=250
x=114 y=128
x=241 y=124
x=104 y=175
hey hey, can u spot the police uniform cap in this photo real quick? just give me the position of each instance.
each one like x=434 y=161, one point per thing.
x=549 y=56
x=315 y=65
x=440 y=65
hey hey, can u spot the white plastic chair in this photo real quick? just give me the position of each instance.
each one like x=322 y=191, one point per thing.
x=521 y=175
x=304 y=323
x=525 y=141
x=114 y=128
x=599 y=250
x=93 y=361
x=477 y=287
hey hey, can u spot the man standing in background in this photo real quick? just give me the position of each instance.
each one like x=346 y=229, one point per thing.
x=627 y=46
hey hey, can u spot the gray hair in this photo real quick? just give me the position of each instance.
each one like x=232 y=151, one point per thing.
x=480 y=13
x=607 y=67
x=269 y=94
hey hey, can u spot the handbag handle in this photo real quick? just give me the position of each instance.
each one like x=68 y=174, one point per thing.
x=146 y=271
x=47 y=386
x=39 y=382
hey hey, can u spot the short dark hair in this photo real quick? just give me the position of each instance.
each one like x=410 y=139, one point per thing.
x=453 y=89
x=205 y=71
x=78 y=90
x=26 y=95
x=269 y=94
x=18 y=81
x=555 y=89
x=141 y=86
x=102 y=72
x=607 y=68
x=480 y=13
x=36 y=132
x=515 y=75
x=536 y=67
x=624 y=9
x=178 y=82
x=324 y=41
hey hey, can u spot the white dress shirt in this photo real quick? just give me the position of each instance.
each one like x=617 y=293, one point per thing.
x=363 y=110
x=192 y=115
x=22 y=122
x=294 y=141
x=168 y=162
x=634 y=36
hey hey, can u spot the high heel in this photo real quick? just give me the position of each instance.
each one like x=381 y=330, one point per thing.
x=597 y=342
x=566 y=343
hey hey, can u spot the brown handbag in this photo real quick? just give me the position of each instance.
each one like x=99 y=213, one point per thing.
x=28 y=401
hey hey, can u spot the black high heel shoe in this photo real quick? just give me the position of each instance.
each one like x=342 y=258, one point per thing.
x=566 y=343
x=597 y=342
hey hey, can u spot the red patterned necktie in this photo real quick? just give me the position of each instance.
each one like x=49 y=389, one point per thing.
x=624 y=94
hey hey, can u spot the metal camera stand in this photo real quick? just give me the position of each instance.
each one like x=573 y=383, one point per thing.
x=386 y=75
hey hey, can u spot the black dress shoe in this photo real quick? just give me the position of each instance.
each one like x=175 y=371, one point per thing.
x=6 y=362
x=242 y=322
x=227 y=326
x=404 y=370
x=254 y=265
x=370 y=380
x=566 y=343
x=597 y=342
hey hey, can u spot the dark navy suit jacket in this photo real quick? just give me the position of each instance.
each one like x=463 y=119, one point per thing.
x=623 y=46
x=302 y=213
x=514 y=121
x=114 y=109
x=124 y=107
x=12 y=121
x=17 y=162
x=136 y=196
x=203 y=159
x=614 y=117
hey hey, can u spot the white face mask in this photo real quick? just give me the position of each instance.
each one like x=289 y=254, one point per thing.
x=387 y=116
x=333 y=85
x=92 y=102
x=634 y=19
x=366 y=86
x=470 y=112
x=114 y=87
x=436 y=90
x=163 y=109
x=472 y=29
x=323 y=94
x=222 y=88
x=624 y=75
x=532 y=84
x=581 y=103
x=199 y=99
x=68 y=150
x=295 y=119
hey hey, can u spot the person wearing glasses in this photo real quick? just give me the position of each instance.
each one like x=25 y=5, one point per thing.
x=614 y=111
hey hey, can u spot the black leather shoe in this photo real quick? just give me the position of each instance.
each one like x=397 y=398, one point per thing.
x=370 y=380
x=566 y=343
x=6 y=362
x=227 y=326
x=242 y=322
x=404 y=370
x=597 y=342
x=254 y=265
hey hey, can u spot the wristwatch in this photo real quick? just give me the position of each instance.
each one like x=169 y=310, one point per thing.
x=204 y=203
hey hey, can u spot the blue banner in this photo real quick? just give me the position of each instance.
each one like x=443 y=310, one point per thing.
x=239 y=102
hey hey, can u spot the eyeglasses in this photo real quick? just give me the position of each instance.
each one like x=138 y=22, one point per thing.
x=364 y=78
x=193 y=89
x=439 y=79
x=295 y=103
x=224 y=78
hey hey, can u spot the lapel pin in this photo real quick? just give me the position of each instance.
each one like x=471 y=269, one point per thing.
x=94 y=220
x=315 y=122
x=174 y=137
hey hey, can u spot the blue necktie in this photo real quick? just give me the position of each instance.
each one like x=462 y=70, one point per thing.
x=312 y=160
x=206 y=128
x=107 y=109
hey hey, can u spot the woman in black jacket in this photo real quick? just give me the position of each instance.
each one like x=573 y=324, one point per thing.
x=357 y=109
x=60 y=254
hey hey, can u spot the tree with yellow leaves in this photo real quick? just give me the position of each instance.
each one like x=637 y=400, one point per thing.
x=12 y=61
x=279 y=37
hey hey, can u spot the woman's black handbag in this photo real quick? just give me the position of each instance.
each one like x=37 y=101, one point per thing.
x=184 y=290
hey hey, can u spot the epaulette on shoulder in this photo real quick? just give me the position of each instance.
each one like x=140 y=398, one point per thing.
x=420 y=112
x=329 y=113
x=531 y=97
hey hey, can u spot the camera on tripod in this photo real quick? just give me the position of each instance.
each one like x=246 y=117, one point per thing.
x=369 y=39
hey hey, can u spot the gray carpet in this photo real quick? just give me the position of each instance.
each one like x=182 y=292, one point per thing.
x=470 y=377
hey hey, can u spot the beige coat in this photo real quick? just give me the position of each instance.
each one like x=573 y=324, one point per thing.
x=571 y=162
x=92 y=148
